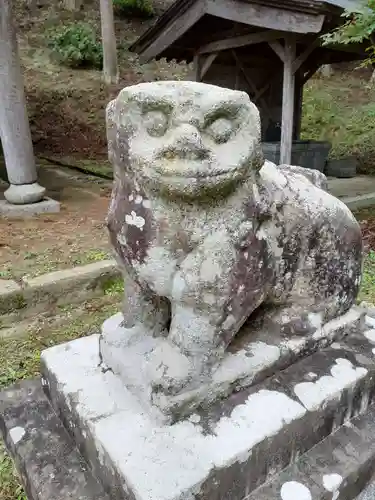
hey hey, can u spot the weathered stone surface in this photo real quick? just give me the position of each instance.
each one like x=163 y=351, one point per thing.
x=47 y=205
x=247 y=363
x=48 y=460
x=24 y=194
x=212 y=236
x=368 y=493
x=224 y=451
x=338 y=467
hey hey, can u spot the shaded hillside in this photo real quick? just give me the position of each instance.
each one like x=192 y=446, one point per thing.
x=66 y=107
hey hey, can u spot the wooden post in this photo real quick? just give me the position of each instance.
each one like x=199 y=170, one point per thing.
x=288 y=103
x=298 y=98
x=110 y=65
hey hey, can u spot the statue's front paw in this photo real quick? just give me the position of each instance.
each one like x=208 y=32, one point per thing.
x=168 y=369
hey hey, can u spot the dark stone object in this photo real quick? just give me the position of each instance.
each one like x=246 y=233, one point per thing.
x=343 y=168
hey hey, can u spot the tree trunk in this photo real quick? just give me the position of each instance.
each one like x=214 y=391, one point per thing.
x=14 y=124
x=110 y=67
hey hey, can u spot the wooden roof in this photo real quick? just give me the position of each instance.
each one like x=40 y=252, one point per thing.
x=189 y=24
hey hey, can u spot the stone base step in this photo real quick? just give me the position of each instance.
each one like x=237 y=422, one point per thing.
x=305 y=433
x=49 y=463
x=340 y=466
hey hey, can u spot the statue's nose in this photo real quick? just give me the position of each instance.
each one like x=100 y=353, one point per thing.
x=188 y=135
x=186 y=143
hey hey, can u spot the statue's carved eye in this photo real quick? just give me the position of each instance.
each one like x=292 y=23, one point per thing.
x=156 y=123
x=220 y=130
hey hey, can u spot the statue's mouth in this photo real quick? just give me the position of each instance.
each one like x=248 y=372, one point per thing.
x=190 y=170
x=189 y=164
x=184 y=153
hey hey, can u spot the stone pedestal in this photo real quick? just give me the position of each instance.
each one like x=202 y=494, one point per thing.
x=46 y=205
x=273 y=438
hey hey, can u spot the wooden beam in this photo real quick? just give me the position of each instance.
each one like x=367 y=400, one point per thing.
x=207 y=64
x=266 y=85
x=197 y=67
x=298 y=98
x=266 y=17
x=278 y=49
x=262 y=90
x=358 y=48
x=174 y=31
x=241 y=41
x=311 y=72
x=250 y=83
x=237 y=80
x=288 y=103
x=304 y=55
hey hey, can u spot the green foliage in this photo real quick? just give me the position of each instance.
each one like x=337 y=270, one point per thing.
x=20 y=359
x=133 y=8
x=367 y=292
x=359 y=26
x=75 y=45
x=114 y=286
x=343 y=113
x=10 y=487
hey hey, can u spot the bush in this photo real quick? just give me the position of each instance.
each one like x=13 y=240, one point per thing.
x=342 y=110
x=75 y=45
x=133 y=8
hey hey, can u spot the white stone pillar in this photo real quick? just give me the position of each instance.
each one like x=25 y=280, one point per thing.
x=14 y=124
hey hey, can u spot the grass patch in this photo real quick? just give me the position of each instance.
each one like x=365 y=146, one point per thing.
x=341 y=110
x=12 y=303
x=54 y=259
x=20 y=359
x=113 y=287
x=133 y=8
x=10 y=487
x=367 y=292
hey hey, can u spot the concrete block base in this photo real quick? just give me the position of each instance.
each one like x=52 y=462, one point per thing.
x=306 y=432
x=47 y=205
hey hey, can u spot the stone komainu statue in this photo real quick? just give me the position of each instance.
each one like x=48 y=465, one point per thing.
x=208 y=231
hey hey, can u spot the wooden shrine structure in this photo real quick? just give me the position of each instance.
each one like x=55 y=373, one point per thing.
x=268 y=48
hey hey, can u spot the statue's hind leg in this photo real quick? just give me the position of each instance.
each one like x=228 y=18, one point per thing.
x=323 y=288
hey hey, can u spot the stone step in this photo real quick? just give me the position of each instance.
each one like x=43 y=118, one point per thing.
x=339 y=467
x=49 y=463
x=20 y=300
x=230 y=448
x=236 y=448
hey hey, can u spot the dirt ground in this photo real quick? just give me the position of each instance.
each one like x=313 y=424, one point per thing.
x=75 y=236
